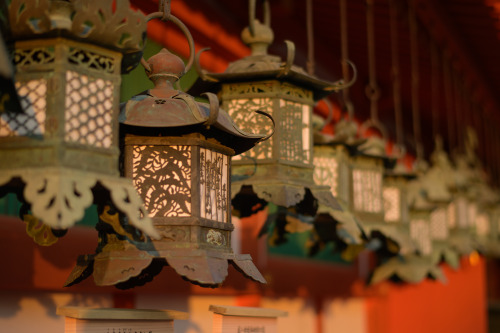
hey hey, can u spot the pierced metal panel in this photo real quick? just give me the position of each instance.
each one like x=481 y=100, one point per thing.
x=439 y=224
x=295 y=132
x=89 y=110
x=162 y=176
x=392 y=204
x=33 y=98
x=243 y=113
x=367 y=191
x=420 y=233
x=214 y=185
x=34 y=56
x=462 y=213
x=483 y=225
x=326 y=172
x=471 y=214
x=452 y=215
x=91 y=60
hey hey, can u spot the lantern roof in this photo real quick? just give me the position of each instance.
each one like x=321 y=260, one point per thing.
x=114 y=26
x=260 y=65
x=165 y=108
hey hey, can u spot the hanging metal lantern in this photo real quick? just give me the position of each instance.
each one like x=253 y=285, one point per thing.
x=436 y=183
x=332 y=168
x=281 y=169
x=178 y=153
x=61 y=150
x=411 y=267
x=396 y=208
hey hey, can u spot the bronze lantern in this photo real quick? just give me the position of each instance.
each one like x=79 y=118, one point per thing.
x=415 y=266
x=437 y=182
x=60 y=152
x=178 y=153
x=280 y=170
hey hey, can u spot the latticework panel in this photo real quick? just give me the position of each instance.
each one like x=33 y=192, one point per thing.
x=33 y=99
x=295 y=132
x=420 y=233
x=367 y=191
x=89 y=110
x=462 y=213
x=326 y=172
x=439 y=224
x=34 y=56
x=392 y=204
x=92 y=60
x=214 y=185
x=452 y=215
x=162 y=176
x=243 y=113
x=471 y=214
x=483 y=225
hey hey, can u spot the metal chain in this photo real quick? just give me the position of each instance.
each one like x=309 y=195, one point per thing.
x=458 y=111
x=435 y=90
x=449 y=102
x=415 y=82
x=344 y=49
x=310 y=37
x=164 y=6
x=372 y=90
x=396 y=78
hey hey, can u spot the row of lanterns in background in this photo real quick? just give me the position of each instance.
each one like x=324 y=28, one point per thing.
x=163 y=168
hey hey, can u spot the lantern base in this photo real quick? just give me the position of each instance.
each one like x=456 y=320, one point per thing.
x=399 y=233
x=59 y=196
x=124 y=265
x=411 y=268
x=442 y=252
x=462 y=242
x=287 y=193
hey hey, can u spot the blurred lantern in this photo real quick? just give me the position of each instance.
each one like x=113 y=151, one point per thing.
x=436 y=183
x=280 y=170
x=396 y=209
x=178 y=153
x=61 y=150
x=463 y=211
x=331 y=168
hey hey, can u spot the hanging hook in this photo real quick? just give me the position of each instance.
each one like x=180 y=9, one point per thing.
x=251 y=15
x=165 y=14
x=164 y=6
x=340 y=85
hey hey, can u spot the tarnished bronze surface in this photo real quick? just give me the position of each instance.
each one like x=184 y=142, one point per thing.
x=178 y=153
x=62 y=151
x=280 y=169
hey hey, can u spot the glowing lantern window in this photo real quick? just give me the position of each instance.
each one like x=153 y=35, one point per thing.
x=420 y=233
x=439 y=224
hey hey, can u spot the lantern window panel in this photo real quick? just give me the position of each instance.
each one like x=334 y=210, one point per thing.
x=326 y=172
x=452 y=215
x=89 y=110
x=462 y=212
x=294 y=127
x=420 y=233
x=214 y=185
x=471 y=214
x=367 y=191
x=439 y=224
x=392 y=204
x=30 y=122
x=242 y=111
x=482 y=225
x=162 y=176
